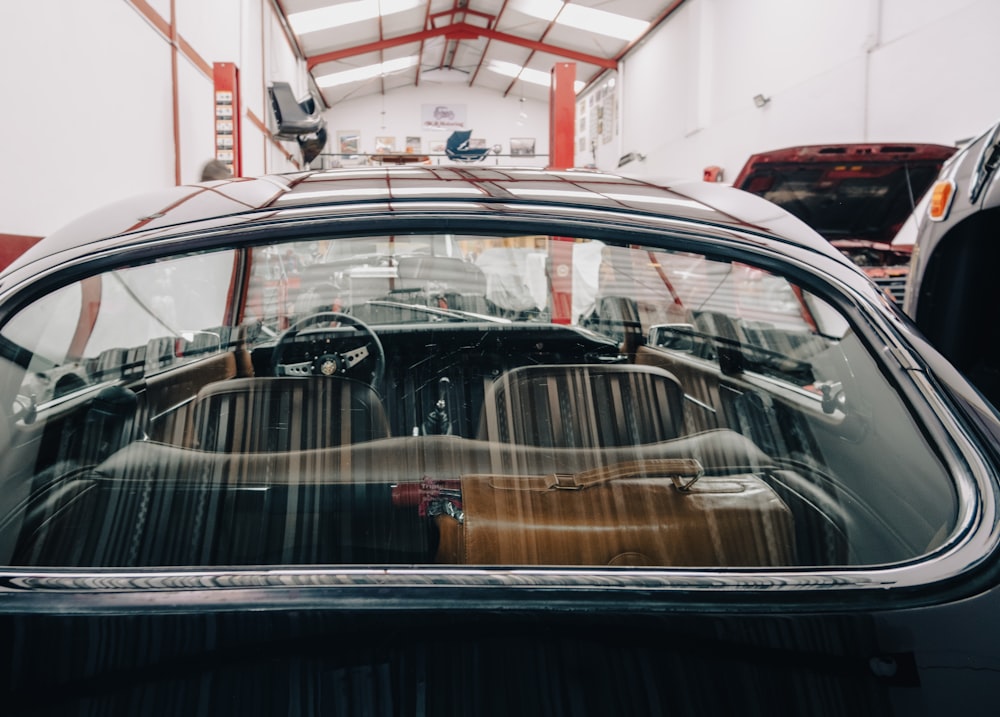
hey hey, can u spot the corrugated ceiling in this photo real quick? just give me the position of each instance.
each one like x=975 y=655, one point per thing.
x=464 y=41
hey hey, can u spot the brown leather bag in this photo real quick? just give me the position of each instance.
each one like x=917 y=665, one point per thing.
x=658 y=512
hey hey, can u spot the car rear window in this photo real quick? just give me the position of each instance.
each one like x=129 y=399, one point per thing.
x=458 y=400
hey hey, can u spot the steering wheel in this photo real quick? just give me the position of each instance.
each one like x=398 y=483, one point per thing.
x=325 y=357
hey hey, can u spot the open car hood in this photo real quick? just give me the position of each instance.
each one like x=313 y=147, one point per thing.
x=855 y=195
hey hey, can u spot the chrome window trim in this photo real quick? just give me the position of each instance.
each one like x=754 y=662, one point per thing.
x=973 y=542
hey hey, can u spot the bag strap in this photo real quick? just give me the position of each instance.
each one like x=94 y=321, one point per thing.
x=684 y=472
x=677 y=469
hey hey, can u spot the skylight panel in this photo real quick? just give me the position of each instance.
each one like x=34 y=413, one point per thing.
x=542 y=9
x=535 y=77
x=601 y=22
x=579 y=17
x=359 y=74
x=347 y=13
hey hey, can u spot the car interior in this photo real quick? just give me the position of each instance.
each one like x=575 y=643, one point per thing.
x=692 y=412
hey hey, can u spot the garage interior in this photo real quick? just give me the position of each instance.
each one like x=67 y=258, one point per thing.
x=124 y=96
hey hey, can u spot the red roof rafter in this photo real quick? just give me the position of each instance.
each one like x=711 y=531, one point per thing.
x=420 y=53
x=464 y=11
x=482 y=57
x=655 y=23
x=531 y=54
x=463 y=31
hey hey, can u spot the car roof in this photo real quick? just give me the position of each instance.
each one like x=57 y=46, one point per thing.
x=409 y=188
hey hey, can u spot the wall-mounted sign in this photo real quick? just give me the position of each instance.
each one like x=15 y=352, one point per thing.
x=226 y=77
x=445 y=117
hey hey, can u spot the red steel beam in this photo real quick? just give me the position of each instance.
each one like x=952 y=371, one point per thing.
x=531 y=54
x=464 y=31
x=482 y=57
x=464 y=11
x=447 y=41
x=420 y=54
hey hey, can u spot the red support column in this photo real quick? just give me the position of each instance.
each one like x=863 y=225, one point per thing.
x=227 y=115
x=561 y=279
x=562 y=116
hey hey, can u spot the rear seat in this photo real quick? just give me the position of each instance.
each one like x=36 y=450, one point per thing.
x=153 y=505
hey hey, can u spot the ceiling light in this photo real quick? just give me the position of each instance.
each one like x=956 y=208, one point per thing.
x=760 y=100
x=359 y=74
x=542 y=9
x=579 y=17
x=601 y=22
x=347 y=13
x=535 y=77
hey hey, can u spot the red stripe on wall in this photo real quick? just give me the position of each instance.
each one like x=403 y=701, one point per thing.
x=13 y=245
x=259 y=124
x=176 y=92
x=180 y=46
x=165 y=28
x=152 y=16
x=197 y=60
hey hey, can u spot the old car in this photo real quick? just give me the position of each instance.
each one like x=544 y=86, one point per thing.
x=951 y=293
x=858 y=196
x=454 y=441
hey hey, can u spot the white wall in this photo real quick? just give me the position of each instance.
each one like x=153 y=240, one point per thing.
x=88 y=100
x=491 y=116
x=849 y=71
x=88 y=92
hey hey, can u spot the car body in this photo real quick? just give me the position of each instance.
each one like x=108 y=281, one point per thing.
x=856 y=195
x=950 y=294
x=429 y=440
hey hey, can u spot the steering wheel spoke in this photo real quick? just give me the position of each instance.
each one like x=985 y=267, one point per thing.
x=325 y=357
x=355 y=356
x=302 y=368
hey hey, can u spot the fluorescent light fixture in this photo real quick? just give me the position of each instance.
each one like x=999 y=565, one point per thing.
x=335 y=193
x=403 y=206
x=542 y=9
x=668 y=201
x=535 y=77
x=561 y=193
x=418 y=191
x=359 y=74
x=601 y=22
x=316 y=209
x=589 y=19
x=346 y=14
x=387 y=192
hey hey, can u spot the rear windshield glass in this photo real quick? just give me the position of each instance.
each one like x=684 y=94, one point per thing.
x=457 y=400
x=850 y=200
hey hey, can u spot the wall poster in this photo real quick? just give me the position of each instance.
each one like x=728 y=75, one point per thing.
x=522 y=146
x=442 y=116
x=349 y=142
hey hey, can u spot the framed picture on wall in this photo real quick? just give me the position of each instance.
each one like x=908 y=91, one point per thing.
x=522 y=146
x=385 y=144
x=348 y=142
x=413 y=144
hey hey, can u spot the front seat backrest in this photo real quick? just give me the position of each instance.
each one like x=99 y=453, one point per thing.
x=267 y=414
x=583 y=406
